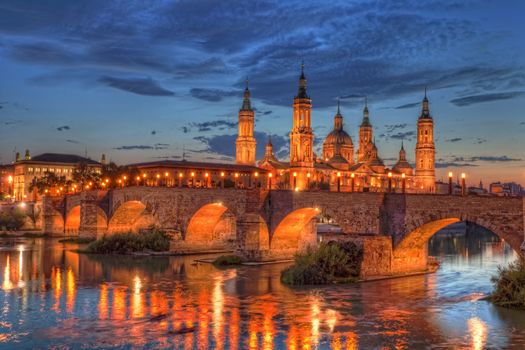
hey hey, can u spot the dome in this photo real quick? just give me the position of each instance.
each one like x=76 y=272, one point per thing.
x=338 y=137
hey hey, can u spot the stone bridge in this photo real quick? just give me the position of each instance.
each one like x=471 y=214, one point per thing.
x=392 y=228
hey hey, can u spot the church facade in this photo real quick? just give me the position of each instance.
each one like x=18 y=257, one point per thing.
x=340 y=167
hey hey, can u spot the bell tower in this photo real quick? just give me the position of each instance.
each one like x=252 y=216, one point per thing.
x=365 y=134
x=425 y=150
x=245 y=143
x=301 y=136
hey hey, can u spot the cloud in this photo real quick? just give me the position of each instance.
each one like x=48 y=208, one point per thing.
x=139 y=86
x=392 y=127
x=408 y=105
x=455 y=139
x=440 y=165
x=474 y=99
x=72 y=141
x=403 y=135
x=63 y=127
x=491 y=159
x=158 y=146
x=209 y=125
x=153 y=132
x=213 y=95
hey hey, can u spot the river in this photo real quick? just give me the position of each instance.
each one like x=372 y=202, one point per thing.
x=53 y=297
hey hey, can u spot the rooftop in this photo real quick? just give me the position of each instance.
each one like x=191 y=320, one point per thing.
x=196 y=165
x=60 y=158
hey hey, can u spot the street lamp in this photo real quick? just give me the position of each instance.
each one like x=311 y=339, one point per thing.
x=403 y=182
x=222 y=179
x=450 y=174
x=256 y=175
x=270 y=175
x=206 y=175
x=180 y=179
x=138 y=180
x=389 y=181
x=463 y=184
x=236 y=179
x=308 y=181
x=192 y=179
x=338 y=181
x=295 y=180
x=352 y=177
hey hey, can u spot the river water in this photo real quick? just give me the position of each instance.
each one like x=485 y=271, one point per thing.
x=52 y=297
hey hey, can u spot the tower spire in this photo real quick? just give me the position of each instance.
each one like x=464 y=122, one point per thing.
x=301 y=93
x=425 y=110
x=338 y=106
x=246 y=104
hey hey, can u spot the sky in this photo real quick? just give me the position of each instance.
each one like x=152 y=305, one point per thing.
x=152 y=80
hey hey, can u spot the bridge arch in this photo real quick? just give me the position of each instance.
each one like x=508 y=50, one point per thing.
x=211 y=224
x=72 y=225
x=130 y=216
x=295 y=231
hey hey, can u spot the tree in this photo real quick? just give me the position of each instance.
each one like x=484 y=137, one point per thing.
x=49 y=181
x=83 y=174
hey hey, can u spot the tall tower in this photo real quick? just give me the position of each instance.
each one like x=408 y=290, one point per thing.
x=245 y=143
x=365 y=134
x=301 y=136
x=425 y=150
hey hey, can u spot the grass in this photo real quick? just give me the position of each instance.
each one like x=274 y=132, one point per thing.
x=77 y=240
x=329 y=263
x=125 y=243
x=227 y=260
x=509 y=286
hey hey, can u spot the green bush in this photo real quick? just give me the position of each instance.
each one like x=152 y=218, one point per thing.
x=125 y=243
x=330 y=263
x=12 y=220
x=227 y=260
x=77 y=240
x=509 y=286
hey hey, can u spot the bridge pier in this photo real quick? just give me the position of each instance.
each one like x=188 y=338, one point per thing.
x=93 y=219
x=53 y=216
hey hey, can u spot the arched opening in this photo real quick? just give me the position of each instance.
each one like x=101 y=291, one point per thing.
x=130 y=216
x=54 y=223
x=73 y=221
x=295 y=232
x=213 y=226
x=411 y=253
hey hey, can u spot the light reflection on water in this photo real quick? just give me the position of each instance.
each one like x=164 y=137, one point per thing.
x=52 y=296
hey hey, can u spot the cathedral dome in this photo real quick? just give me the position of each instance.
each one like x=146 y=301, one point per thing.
x=338 y=137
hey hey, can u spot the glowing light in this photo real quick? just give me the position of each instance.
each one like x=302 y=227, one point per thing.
x=222 y=173
x=180 y=174
x=192 y=174
x=450 y=174
x=236 y=174
x=158 y=176
x=125 y=177
x=166 y=174
x=403 y=175
x=389 y=174
x=138 y=178
x=10 y=179
x=338 y=174
x=308 y=175
x=270 y=175
x=107 y=180
x=294 y=174
x=463 y=175
x=297 y=189
x=144 y=175
x=206 y=175
x=256 y=174
x=23 y=205
x=352 y=175
x=478 y=332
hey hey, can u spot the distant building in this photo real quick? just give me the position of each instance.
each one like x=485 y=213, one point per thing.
x=506 y=189
x=6 y=181
x=27 y=169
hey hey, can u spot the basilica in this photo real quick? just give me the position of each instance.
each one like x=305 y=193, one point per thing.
x=340 y=167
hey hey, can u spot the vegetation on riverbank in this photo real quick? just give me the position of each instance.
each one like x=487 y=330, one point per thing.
x=77 y=240
x=509 y=286
x=334 y=262
x=12 y=220
x=126 y=243
x=227 y=260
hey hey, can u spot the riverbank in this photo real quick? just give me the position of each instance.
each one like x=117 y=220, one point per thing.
x=509 y=286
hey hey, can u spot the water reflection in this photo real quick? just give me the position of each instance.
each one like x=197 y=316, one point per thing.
x=52 y=296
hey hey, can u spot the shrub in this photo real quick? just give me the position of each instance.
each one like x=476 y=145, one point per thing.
x=12 y=220
x=330 y=263
x=509 y=286
x=227 y=260
x=125 y=243
x=77 y=240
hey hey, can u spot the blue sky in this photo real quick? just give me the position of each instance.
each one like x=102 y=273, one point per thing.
x=140 y=81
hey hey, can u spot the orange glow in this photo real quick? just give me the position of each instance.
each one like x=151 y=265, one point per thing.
x=222 y=173
x=107 y=180
x=463 y=175
x=256 y=174
x=352 y=175
x=103 y=302
x=158 y=176
x=125 y=177
x=270 y=175
x=450 y=174
x=206 y=175
x=7 y=284
x=138 y=178
x=403 y=175
x=308 y=175
x=70 y=290
x=294 y=174
x=236 y=174
x=180 y=174
x=58 y=286
x=192 y=174
x=144 y=175
x=166 y=174
x=338 y=174
x=10 y=179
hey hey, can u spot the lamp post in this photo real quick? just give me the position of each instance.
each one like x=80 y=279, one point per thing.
x=144 y=176
x=256 y=175
x=138 y=180
x=308 y=181
x=192 y=179
x=180 y=179
x=236 y=179
x=166 y=176
x=294 y=180
x=463 y=184
x=352 y=177
x=403 y=182
x=450 y=174
x=270 y=181
x=207 y=177
x=389 y=181
x=124 y=180
x=222 y=179
x=338 y=181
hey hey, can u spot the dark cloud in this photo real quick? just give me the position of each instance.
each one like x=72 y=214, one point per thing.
x=63 y=127
x=455 y=139
x=153 y=132
x=492 y=159
x=72 y=141
x=213 y=95
x=392 y=127
x=408 y=135
x=408 y=105
x=209 y=125
x=440 y=165
x=139 y=86
x=158 y=146
x=474 y=99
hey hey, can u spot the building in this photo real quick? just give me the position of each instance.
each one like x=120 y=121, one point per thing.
x=341 y=167
x=173 y=173
x=28 y=168
x=507 y=189
x=6 y=181
x=245 y=143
